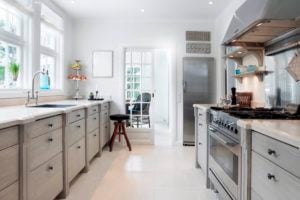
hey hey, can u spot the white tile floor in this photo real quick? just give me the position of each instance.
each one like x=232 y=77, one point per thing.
x=146 y=173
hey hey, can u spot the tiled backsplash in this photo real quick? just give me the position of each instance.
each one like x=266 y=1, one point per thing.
x=280 y=87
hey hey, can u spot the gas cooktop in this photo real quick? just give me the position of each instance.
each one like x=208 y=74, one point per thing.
x=258 y=113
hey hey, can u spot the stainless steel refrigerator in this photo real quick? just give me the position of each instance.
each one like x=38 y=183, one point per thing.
x=199 y=87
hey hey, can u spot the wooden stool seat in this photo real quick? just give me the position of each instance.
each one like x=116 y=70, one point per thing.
x=119 y=130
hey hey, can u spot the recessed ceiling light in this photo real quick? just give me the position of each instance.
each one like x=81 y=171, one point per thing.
x=72 y=1
x=210 y=2
x=239 y=52
x=142 y=10
x=259 y=24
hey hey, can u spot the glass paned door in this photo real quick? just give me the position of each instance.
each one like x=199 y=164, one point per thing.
x=139 y=87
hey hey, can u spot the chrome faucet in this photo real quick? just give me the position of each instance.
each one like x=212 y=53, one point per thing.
x=35 y=96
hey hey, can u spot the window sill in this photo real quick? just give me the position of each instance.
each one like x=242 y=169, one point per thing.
x=22 y=93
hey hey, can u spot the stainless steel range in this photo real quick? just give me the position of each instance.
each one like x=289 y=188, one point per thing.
x=225 y=155
x=225 y=151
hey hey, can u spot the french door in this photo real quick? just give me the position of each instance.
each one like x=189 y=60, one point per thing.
x=139 y=92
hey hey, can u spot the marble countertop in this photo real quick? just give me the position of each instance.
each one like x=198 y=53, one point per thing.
x=15 y=115
x=287 y=131
x=203 y=106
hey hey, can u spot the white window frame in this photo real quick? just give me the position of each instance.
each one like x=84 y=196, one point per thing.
x=32 y=50
x=18 y=40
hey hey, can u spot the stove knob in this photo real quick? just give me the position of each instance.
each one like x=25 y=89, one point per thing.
x=231 y=128
x=236 y=131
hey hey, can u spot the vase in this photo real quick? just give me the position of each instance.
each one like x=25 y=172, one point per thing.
x=15 y=77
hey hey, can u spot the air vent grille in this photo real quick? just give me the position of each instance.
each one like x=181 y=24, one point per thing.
x=198 y=36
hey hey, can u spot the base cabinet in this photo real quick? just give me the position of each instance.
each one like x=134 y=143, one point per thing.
x=272 y=179
x=76 y=159
x=93 y=144
x=46 y=182
x=11 y=192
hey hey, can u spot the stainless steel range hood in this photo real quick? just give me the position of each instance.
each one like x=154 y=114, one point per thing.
x=259 y=21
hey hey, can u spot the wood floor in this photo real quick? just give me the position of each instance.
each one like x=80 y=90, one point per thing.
x=146 y=173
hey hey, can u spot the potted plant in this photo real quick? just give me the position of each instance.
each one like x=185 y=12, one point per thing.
x=14 y=69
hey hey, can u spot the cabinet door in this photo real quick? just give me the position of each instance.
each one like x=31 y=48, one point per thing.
x=76 y=158
x=93 y=144
x=11 y=192
x=9 y=166
x=202 y=156
x=270 y=182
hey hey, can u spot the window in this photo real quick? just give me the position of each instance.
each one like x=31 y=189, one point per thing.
x=51 y=46
x=12 y=46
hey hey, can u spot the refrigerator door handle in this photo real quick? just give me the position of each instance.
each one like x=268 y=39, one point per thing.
x=184 y=86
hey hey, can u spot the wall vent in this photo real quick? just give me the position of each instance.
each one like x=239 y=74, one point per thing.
x=198 y=48
x=197 y=36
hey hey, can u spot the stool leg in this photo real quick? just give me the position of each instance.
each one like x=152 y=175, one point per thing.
x=112 y=140
x=126 y=138
x=120 y=131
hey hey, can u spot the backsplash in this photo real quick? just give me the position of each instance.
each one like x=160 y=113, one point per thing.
x=280 y=88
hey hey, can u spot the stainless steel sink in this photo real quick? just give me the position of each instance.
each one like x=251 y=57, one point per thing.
x=52 y=106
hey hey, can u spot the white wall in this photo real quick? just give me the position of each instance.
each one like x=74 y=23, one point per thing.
x=92 y=35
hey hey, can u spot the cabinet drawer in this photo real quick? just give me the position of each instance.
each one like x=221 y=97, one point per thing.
x=93 y=144
x=43 y=126
x=75 y=116
x=104 y=134
x=93 y=110
x=282 y=186
x=76 y=131
x=11 y=192
x=104 y=106
x=286 y=156
x=46 y=182
x=44 y=147
x=9 y=137
x=104 y=117
x=222 y=194
x=9 y=166
x=201 y=114
x=76 y=158
x=92 y=122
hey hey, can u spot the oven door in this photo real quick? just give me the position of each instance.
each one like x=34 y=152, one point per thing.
x=224 y=161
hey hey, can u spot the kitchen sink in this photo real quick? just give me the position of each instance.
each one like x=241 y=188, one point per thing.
x=52 y=106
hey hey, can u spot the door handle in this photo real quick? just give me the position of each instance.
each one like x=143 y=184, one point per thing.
x=184 y=83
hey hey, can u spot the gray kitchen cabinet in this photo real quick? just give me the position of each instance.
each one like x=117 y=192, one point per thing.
x=104 y=124
x=11 y=192
x=76 y=145
x=93 y=133
x=201 y=138
x=44 y=171
x=274 y=169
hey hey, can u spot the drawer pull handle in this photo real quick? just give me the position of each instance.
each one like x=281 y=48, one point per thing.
x=200 y=124
x=95 y=110
x=95 y=118
x=200 y=143
x=50 y=168
x=50 y=125
x=50 y=140
x=95 y=135
x=78 y=115
x=271 y=152
x=78 y=126
x=78 y=147
x=271 y=176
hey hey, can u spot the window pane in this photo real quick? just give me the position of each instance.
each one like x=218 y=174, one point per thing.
x=147 y=84
x=136 y=70
x=147 y=70
x=136 y=57
x=10 y=19
x=10 y=67
x=128 y=57
x=47 y=64
x=147 y=57
x=49 y=37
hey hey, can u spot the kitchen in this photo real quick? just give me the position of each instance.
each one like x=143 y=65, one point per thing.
x=205 y=93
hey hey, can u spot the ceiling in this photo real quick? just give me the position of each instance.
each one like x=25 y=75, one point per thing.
x=153 y=9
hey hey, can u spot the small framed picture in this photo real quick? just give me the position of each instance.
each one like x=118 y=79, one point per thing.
x=103 y=64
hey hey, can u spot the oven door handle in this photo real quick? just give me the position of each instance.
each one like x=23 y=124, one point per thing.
x=224 y=140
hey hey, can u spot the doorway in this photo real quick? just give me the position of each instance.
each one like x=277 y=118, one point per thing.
x=146 y=93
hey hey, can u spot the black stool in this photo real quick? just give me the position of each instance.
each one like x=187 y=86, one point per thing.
x=119 y=130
